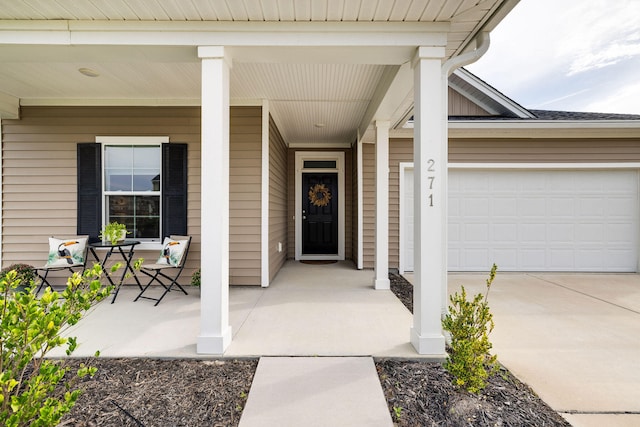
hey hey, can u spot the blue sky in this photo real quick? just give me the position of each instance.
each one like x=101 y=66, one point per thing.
x=572 y=55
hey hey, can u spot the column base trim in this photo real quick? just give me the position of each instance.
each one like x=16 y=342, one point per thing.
x=382 y=284
x=431 y=344
x=214 y=344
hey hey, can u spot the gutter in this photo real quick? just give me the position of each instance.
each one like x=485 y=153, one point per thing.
x=482 y=45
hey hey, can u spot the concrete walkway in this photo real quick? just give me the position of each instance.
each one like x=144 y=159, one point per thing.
x=316 y=391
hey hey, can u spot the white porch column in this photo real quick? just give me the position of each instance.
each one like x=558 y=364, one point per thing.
x=430 y=195
x=381 y=265
x=215 y=331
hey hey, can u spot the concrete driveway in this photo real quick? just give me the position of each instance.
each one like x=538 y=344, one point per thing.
x=574 y=338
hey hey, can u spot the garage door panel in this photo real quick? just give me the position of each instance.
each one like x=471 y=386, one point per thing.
x=532 y=206
x=543 y=220
x=531 y=259
x=562 y=259
x=619 y=206
x=590 y=233
x=476 y=206
x=502 y=206
x=476 y=233
x=476 y=258
x=561 y=234
x=617 y=260
x=590 y=206
x=507 y=256
x=561 y=207
x=506 y=233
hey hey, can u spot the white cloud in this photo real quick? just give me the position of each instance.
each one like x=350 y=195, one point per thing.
x=560 y=53
x=624 y=100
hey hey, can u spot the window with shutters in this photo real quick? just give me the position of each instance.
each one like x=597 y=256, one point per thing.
x=138 y=181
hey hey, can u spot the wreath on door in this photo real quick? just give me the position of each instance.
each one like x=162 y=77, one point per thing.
x=319 y=195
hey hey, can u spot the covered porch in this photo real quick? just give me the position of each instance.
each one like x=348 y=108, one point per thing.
x=328 y=78
x=309 y=310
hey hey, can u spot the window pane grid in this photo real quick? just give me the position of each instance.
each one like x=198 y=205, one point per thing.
x=132 y=188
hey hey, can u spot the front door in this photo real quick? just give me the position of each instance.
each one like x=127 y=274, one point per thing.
x=319 y=213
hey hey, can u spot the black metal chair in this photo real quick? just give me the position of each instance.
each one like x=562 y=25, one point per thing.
x=173 y=257
x=64 y=254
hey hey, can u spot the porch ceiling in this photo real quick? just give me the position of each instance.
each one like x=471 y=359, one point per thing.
x=317 y=93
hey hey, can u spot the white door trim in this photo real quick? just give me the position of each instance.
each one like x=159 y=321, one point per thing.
x=402 y=212
x=301 y=156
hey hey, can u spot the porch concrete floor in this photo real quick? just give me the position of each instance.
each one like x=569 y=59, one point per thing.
x=308 y=310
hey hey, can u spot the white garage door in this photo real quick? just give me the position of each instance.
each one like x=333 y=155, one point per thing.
x=541 y=220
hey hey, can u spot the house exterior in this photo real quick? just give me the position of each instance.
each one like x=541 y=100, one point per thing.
x=271 y=131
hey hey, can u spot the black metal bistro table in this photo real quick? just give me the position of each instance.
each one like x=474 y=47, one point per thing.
x=125 y=249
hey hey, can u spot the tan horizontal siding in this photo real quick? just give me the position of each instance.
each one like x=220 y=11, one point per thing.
x=400 y=151
x=39 y=171
x=39 y=175
x=245 y=198
x=277 y=199
x=368 y=204
x=544 y=150
x=459 y=105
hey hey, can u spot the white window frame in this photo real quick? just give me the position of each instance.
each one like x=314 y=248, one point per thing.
x=130 y=140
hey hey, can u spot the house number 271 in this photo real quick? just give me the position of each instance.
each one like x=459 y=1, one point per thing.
x=431 y=168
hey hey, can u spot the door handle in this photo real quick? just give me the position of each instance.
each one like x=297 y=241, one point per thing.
x=304 y=217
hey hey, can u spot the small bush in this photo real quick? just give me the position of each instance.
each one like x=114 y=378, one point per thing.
x=195 y=278
x=25 y=274
x=470 y=323
x=30 y=327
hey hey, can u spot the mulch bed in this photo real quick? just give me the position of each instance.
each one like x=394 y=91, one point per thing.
x=151 y=392
x=421 y=393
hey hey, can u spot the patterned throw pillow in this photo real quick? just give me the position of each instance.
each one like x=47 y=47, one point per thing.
x=66 y=253
x=172 y=252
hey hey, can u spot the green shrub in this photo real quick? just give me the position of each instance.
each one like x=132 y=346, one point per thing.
x=25 y=274
x=470 y=323
x=30 y=327
x=195 y=278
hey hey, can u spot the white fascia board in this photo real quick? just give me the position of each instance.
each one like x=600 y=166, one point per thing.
x=116 y=102
x=196 y=33
x=545 y=124
x=488 y=91
x=120 y=102
x=545 y=129
x=319 y=145
x=535 y=129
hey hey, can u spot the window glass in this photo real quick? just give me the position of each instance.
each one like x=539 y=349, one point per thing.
x=319 y=164
x=132 y=188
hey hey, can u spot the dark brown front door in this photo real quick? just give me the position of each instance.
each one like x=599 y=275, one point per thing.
x=319 y=213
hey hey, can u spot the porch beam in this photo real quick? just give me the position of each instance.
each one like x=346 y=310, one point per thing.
x=430 y=195
x=381 y=266
x=215 y=331
x=229 y=34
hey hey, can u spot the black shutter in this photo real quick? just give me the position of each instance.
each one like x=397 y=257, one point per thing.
x=89 y=189
x=174 y=189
